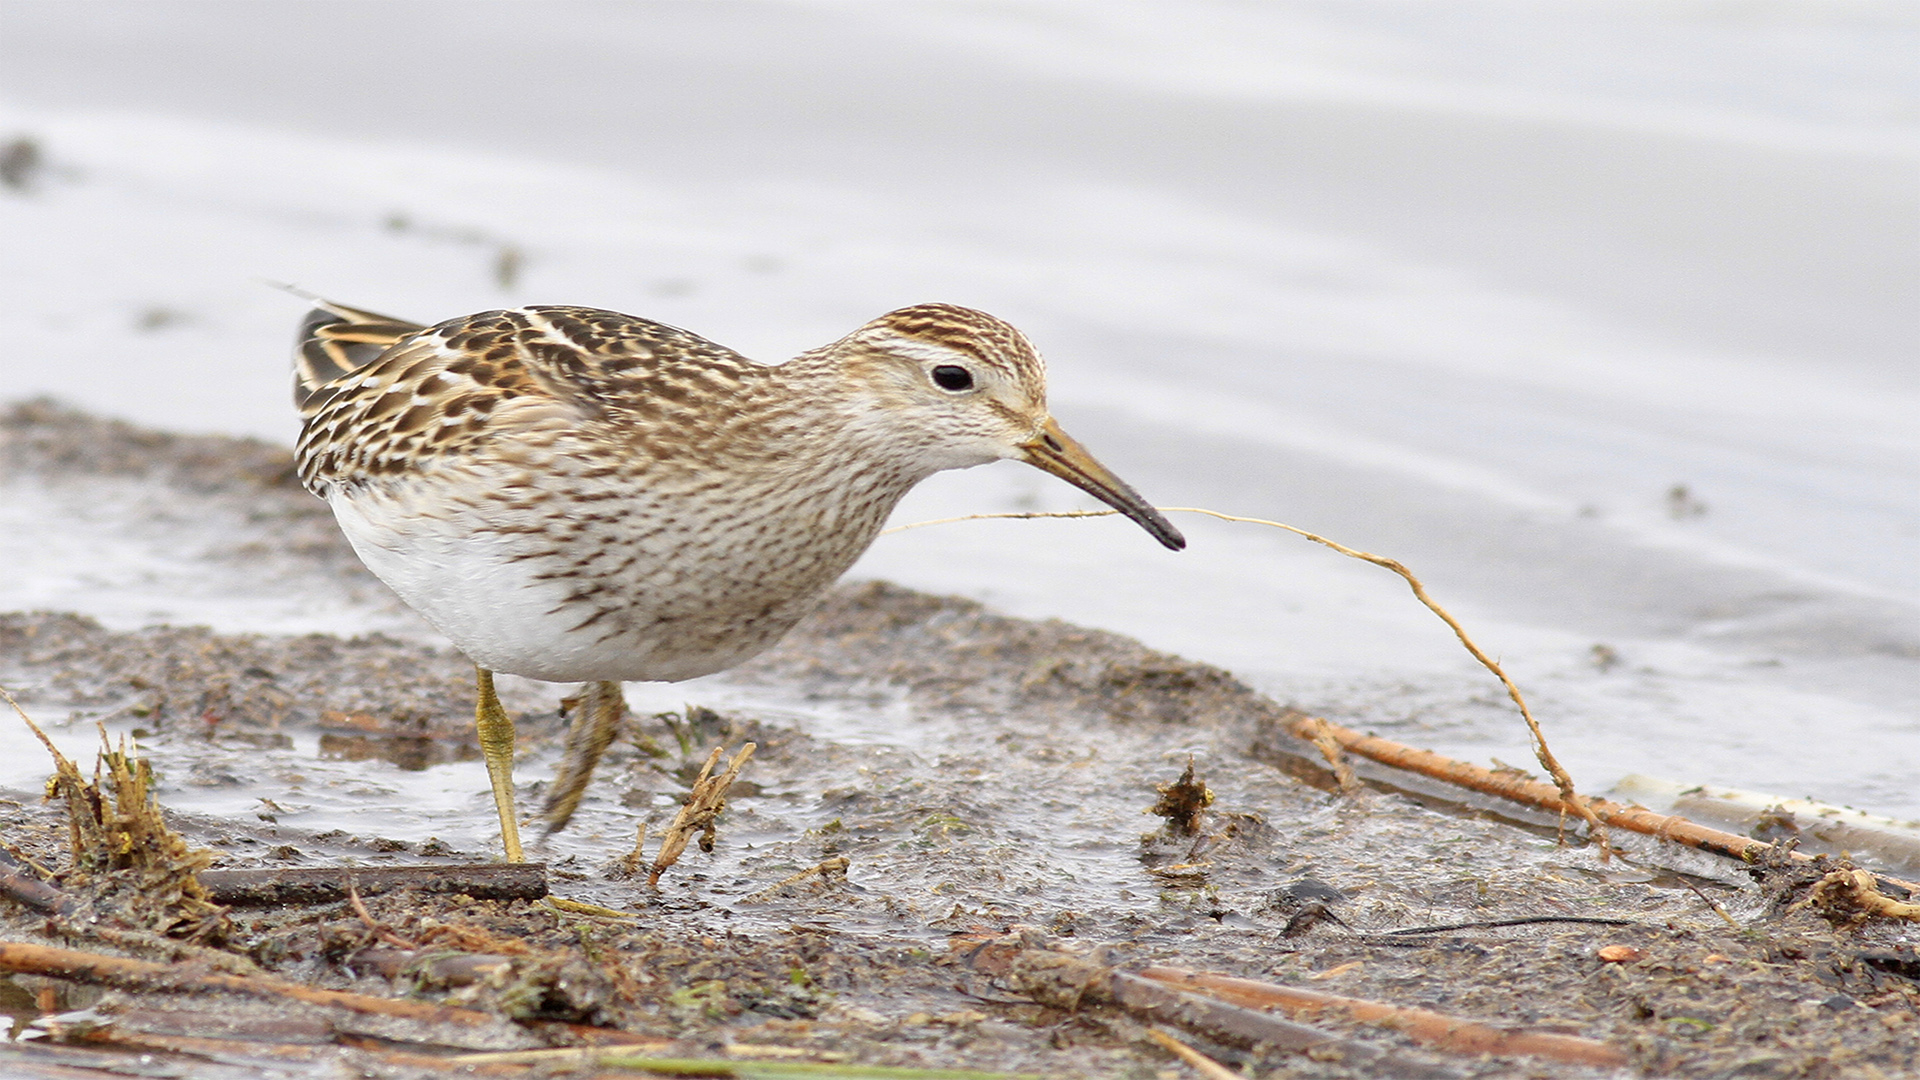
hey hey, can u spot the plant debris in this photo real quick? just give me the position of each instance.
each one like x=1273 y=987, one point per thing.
x=1182 y=803
x=698 y=814
x=926 y=772
x=126 y=861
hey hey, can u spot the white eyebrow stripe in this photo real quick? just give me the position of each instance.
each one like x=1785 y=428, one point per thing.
x=922 y=349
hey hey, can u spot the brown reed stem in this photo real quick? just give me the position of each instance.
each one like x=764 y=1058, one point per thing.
x=1517 y=787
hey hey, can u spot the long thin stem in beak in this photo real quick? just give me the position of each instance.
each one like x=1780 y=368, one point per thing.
x=1055 y=452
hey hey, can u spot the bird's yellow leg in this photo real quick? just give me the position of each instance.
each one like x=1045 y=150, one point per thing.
x=496 y=745
x=597 y=720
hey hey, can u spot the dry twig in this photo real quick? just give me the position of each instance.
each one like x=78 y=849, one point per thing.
x=697 y=814
x=1518 y=788
x=381 y=932
x=630 y=862
x=825 y=870
x=1202 y=1064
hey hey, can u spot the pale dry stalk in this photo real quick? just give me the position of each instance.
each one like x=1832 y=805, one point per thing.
x=825 y=871
x=697 y=814
x=1201 y=1063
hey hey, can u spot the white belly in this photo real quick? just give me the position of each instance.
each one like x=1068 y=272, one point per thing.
x=660 y=592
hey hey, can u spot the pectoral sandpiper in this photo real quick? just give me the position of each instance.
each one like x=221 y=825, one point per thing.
x=577 y=495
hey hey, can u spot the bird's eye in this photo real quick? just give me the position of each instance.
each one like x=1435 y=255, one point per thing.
x=952 y=377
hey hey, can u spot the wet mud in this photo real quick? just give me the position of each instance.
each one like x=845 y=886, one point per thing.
x=930 y=779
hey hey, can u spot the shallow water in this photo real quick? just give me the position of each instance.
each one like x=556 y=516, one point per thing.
x=1476 y=291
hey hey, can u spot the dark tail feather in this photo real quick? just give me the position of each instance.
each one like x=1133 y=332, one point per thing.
x=336 y=340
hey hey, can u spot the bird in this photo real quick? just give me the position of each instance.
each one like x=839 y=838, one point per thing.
x=576 y=495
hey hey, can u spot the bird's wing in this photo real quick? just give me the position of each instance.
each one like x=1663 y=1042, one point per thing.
x=336 y=340
x=603 y=361
x=496 y=375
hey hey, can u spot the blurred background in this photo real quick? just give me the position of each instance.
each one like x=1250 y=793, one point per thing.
x=1600 y=316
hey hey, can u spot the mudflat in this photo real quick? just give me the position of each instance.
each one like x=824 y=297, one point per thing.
x=963 y=842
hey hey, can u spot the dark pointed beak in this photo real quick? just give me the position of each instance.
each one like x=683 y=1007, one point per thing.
x=1055 y=452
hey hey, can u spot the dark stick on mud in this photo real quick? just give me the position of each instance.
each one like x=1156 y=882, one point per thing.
x=253 y=1051
x=123 y=973
x=326 y=885
x=19 y=883
x=1444 y=1032
x=1494 y=924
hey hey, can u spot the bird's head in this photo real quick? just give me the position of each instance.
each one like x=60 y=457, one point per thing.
x=952 y=388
